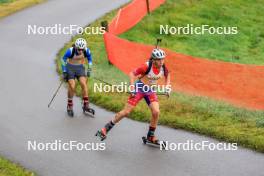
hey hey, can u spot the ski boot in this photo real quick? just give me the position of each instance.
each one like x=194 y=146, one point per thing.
x=153 y=141
x=87 y=110
x=70 y=111
x=101 y=133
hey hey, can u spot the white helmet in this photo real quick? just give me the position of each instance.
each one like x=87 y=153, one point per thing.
x=80 y=43
x=158 y=54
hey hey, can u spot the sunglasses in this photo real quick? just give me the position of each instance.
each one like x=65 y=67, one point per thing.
x=80 y=49
x=157 y=59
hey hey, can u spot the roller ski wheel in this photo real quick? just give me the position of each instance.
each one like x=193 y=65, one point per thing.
x=88 y=111
x=156 y=143
x=70 y=112
x=101 y=134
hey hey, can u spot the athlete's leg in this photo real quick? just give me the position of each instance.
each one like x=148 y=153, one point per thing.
x=123 y=113
x=83 y=84
x=155 y=112
x=153 y=103
x=131 y=103
x=81 y=75
x=71 y=91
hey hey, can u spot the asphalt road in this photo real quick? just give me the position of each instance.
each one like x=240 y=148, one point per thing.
x=27 y=80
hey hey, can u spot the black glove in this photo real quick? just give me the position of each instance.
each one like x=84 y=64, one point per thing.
x=65 y=76
x=89 y=72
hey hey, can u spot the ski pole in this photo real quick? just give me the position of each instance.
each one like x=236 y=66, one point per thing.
x=98 y=79
x=55 y=94
x=158 y=93
x=165 y=94
x=158 y=42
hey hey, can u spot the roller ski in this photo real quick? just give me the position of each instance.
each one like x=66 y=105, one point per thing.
x=152 y=141
x=101 y=134
x=87 y=110
x=70 y=111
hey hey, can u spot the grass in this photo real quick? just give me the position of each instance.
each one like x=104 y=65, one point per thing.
x=5 y=1
x=8 y=7
x=246 y=47
x=197 y=114
x=10 y=169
